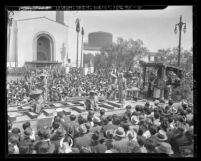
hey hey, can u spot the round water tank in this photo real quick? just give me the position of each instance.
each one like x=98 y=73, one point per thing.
x=100 y=39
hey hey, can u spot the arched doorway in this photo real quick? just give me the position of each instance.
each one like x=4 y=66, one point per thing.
x=43 y=47
x=44 y=50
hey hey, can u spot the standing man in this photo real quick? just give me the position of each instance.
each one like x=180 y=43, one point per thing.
x=113 y=87
x=122 y=89
x=91 y=102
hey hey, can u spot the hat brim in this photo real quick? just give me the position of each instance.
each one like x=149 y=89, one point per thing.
x=159 y=139
x=123 y=135
x=161 y=151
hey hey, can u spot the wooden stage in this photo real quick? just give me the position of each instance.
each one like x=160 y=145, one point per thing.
x=21 y=114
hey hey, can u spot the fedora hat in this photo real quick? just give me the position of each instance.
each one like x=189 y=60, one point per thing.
x=173 y=110
x=96 y=119
x=161 y=136
x=46 y=148
x=109 y=134
x=96 y=136
x=82 y=129
x=164 y=148
x=134 y=120
x=120 y=132
x=132 y=134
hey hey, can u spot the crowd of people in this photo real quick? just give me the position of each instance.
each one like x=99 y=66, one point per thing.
x=141 y=129
x=59 y=86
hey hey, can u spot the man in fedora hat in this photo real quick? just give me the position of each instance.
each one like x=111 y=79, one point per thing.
x=84 y=140
x=121 y=141
x=46 y=148
x=161 y=136
x=97 y=124
x=57 y=138
x=96 y=146
x=43 y=138
x=110 y=125
x=108 y=138
x=164 y=148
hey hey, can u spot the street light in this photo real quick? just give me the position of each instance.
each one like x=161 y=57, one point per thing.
x=180 y=25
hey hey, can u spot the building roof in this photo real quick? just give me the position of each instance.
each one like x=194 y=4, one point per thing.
x=100 y=32
x=41 y=18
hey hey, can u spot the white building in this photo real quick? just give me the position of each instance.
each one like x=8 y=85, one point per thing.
x=38 y=39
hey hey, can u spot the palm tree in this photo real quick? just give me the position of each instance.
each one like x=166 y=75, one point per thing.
x=82 y=32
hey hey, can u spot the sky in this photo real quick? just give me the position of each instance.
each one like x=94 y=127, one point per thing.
x=154 y=27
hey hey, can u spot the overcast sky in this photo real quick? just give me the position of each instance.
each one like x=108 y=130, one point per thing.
x=154 y=27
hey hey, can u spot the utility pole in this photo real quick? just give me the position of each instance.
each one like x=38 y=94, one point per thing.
x=180 y=25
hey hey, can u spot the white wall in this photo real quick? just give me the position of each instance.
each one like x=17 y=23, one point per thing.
x=93 y=52
x=27 y=29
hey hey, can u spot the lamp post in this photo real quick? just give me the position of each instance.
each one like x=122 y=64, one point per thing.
x=77 y=22
x=180 y=25
x=82 y=33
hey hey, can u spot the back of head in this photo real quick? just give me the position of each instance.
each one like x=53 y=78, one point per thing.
x=57 y=118
x=28 y=131
x=25 y=147
x=16 y=130
x=156 y=115
x=109 y=118
x=141 y=140
x=26 y=125
x=102 y=111
x=150 y=144
x=72 y=117
x=56 y=125
x=80 y=119
x=43 y=133
x=14 y=139
x=153 y=129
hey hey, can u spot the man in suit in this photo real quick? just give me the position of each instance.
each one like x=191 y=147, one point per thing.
x=122 y=88
x=83 y=142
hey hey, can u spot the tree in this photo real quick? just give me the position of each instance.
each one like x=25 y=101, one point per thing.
x=87 y=58
x=123 y=52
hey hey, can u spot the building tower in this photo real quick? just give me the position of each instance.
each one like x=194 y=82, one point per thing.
x=60 y=17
